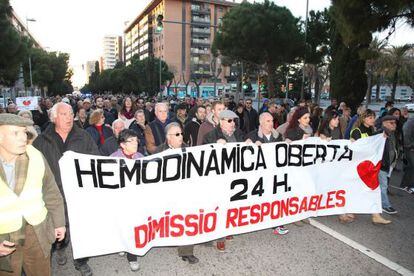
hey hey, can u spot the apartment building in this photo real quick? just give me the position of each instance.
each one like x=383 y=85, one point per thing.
x=185 y=41
x=112 y=51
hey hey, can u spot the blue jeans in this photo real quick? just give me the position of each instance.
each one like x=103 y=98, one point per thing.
x=383 y=182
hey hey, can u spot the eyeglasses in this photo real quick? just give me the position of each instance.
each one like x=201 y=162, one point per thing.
x=176 y=134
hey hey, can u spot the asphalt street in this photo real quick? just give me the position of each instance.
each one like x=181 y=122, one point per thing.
x=304 y=251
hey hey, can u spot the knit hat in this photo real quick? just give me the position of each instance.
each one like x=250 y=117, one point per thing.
x=14 y=120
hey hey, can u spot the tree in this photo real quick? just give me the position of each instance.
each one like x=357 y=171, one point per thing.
x=13 y=46
x=354 y=22
x=317 y=48
x=372 y=56
x=397 y=62
x=139 y=76
x=270 y=35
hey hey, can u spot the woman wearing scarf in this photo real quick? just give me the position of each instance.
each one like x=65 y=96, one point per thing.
x=127 y=111
x=97 y=129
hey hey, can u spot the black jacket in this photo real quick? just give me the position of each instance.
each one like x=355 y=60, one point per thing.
x=251 y=120
x=191 y=131
x=141 y=136
x=257 y=135
x=386 y=160
x=217 y=134
x=53 y=147
x=294 y=134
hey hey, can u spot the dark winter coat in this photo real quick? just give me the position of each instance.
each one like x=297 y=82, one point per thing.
x=257 y=135
x=93 y=131
x=53 y=147
x=217 y=134
x=294 y=134
x=191 y=131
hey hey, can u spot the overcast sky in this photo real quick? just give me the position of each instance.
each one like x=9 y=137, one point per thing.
x=78 y=26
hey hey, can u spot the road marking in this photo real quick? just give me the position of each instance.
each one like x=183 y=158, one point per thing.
x=364 y=250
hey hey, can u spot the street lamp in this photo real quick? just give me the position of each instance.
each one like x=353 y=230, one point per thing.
x=304 y=57
x=30 y=59
x=158 y=31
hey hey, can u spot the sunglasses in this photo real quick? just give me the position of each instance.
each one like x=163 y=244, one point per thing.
x=229 y=120
x=177 y=134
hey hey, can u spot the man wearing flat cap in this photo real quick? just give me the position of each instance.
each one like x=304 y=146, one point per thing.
x=225 y=132
x=389 y=160
x=31 y=206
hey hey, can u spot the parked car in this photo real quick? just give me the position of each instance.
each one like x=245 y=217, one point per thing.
x=410 y=107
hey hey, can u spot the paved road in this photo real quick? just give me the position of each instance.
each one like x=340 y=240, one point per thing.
x=304 y=251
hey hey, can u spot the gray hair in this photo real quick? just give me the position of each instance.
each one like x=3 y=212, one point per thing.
x=159 y=105
x=264 y=114
x=171 y=125
x=138 y=112
x=54 y=110
x=117 y=121
x=23 y=112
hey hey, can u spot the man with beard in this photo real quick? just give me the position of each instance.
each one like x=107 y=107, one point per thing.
x=192 y=127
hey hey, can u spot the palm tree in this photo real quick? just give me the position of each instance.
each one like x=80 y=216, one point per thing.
x=373 y=63
x=398 y=63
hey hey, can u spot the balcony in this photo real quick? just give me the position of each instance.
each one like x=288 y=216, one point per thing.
x=198 y=9
x=200 y=41
x=200 y=62
x=204 y=31
x=199 y=51
x=201 y=20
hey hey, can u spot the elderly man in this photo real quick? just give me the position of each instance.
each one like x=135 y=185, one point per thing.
x=59 y=137
x=226 y=131
x=192 y=127
x=266 y=133
x=111 y=144
x=139 y=126
x=154 y=133
x=32 y=212
x=211 y=121
x=174 y=140
x=388 y=162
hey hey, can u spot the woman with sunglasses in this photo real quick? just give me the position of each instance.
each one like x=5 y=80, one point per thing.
x=128 y=148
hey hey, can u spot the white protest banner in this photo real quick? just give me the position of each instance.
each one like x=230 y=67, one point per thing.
x=26 y=103
x=193 y=195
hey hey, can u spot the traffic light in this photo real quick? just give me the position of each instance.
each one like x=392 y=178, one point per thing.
x=263 y=83
x=245 y=84
x=290 y=86
x=282 y=88
x=160 y=27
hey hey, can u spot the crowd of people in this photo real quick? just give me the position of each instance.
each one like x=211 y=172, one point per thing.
x=133 y=127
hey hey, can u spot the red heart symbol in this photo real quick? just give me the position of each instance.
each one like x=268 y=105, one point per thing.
x=26 y=102
x=369 y=173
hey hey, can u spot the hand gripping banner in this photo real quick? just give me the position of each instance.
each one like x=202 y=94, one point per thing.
x=194 y=195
